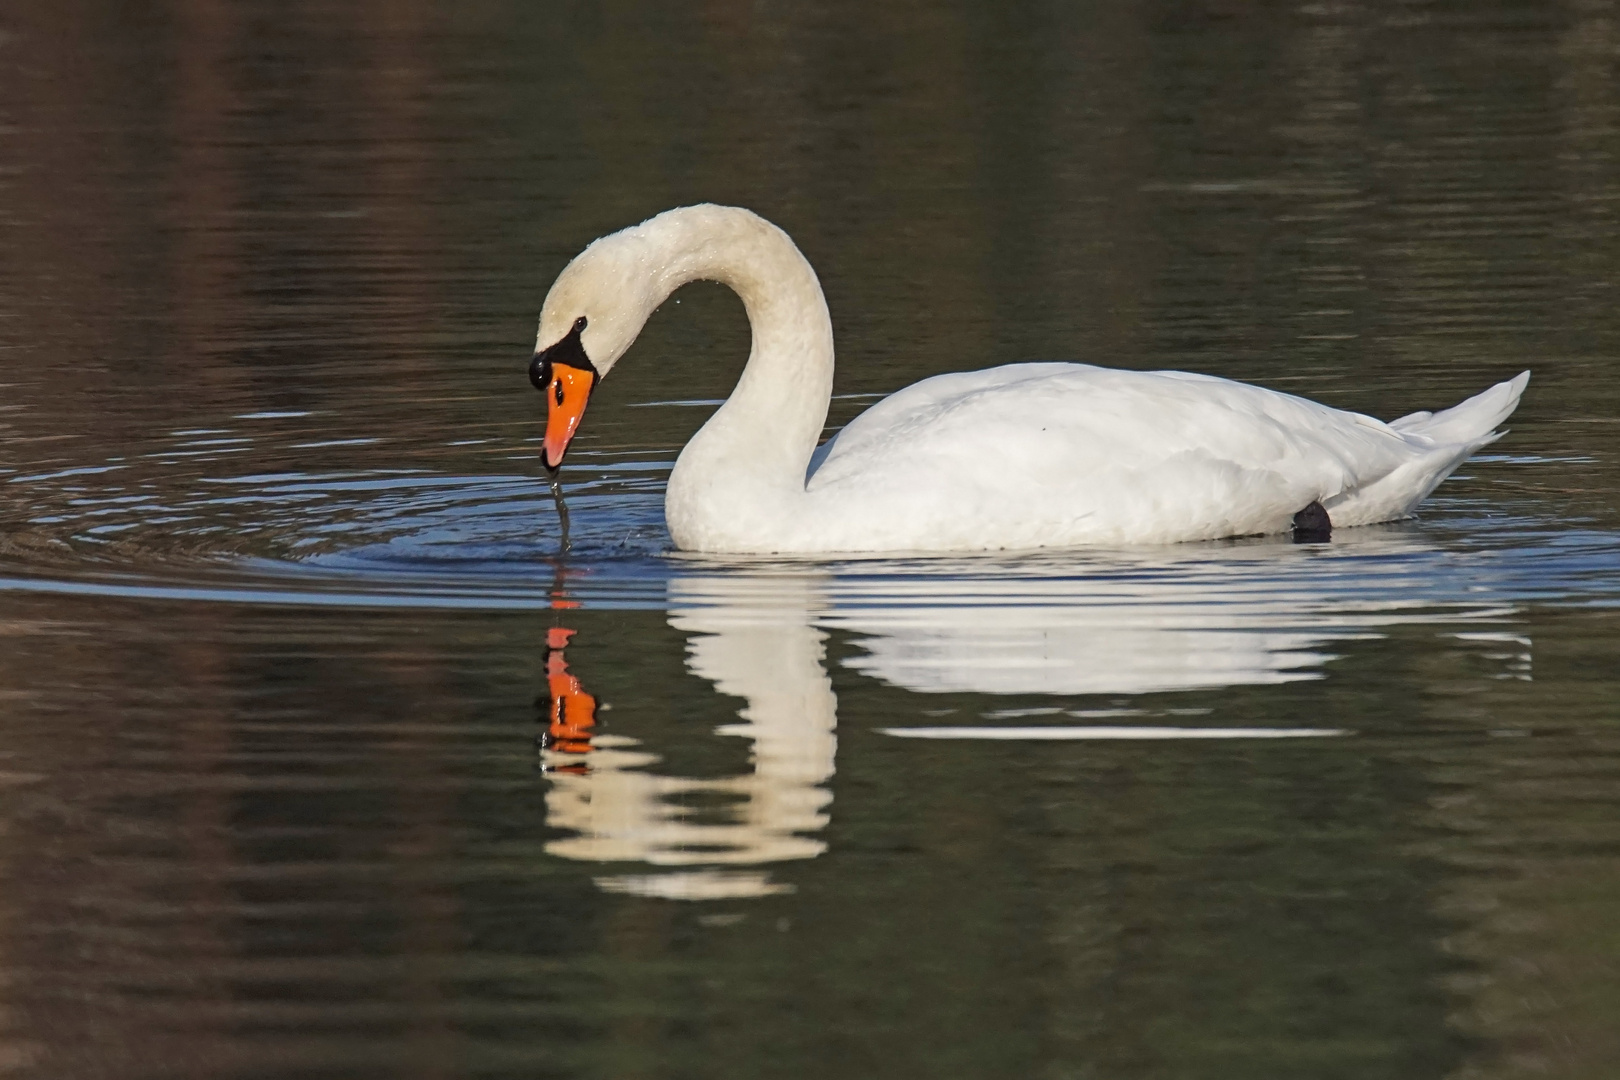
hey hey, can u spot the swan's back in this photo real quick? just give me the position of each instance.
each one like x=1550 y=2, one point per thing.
x=1033 y=455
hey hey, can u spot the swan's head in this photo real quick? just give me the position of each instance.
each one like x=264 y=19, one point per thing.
x=592 y=315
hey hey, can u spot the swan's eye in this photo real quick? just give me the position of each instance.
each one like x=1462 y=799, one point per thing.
x=559 y=390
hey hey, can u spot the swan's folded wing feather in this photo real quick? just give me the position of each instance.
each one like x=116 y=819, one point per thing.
x=1069 y=418
x=1105 y=453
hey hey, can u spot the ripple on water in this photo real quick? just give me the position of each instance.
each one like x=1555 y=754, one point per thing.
x=415 y=536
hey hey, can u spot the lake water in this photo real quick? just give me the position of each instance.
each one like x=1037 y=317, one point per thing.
x=320 y=756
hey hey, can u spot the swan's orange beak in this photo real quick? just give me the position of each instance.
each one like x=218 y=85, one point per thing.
x=566 y=376
x=567 y=392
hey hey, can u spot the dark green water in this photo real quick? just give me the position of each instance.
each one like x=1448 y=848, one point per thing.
x=284 y=615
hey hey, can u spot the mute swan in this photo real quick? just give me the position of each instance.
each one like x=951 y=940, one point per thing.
x=1020 y=456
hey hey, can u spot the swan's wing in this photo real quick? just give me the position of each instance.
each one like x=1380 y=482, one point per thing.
x=1141 y=453
x=1064 y=417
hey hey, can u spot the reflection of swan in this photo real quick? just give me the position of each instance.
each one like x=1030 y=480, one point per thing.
x=1119 y=624
x=770 y=656
x=1022 y=456
x=1114 y=625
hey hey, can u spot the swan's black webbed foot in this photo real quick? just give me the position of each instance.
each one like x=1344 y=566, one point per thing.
x=1312 y=525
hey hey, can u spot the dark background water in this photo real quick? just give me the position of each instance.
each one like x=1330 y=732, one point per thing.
x=283 y=607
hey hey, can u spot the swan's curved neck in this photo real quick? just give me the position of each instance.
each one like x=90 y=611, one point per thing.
x=750 y=458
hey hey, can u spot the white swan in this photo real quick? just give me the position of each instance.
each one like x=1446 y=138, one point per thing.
x=1021 y=456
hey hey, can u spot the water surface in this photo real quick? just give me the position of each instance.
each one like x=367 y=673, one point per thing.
x=320 y=755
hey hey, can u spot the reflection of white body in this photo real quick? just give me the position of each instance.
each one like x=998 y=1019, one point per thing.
x=1137 y=624
x=1113 y=625
x=1087 y=646
x=1020 y=456
x=1096 y=636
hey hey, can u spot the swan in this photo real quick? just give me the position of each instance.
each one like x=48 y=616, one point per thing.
x=1033 y=455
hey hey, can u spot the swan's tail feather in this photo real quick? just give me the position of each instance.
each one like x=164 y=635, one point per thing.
x=1442 y=441
x=1473 y=421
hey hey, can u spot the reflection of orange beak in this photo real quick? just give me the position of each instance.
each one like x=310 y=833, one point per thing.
x=572 y=710
x=566 y=397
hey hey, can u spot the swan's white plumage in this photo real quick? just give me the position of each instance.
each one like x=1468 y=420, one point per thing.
x=1021 y=456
